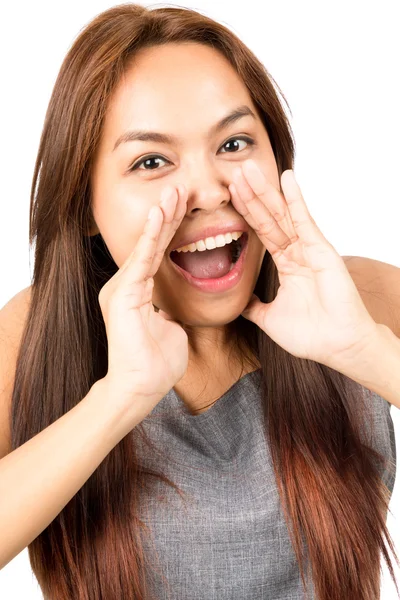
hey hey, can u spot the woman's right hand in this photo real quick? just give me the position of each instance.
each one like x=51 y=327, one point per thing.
x=147 y=350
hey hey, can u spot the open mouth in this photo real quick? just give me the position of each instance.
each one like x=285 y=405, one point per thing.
x=218 y=260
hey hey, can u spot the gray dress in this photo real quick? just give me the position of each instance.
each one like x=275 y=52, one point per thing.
x=227 y=539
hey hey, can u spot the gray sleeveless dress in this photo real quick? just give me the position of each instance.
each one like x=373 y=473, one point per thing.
x=227 y=538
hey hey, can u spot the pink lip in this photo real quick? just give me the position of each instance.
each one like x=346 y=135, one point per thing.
x=211 y=231
x=220 y=284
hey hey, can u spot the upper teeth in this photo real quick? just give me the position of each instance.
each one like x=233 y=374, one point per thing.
x=211 y=242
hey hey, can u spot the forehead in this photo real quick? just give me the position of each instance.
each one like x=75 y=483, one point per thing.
x=175 y=88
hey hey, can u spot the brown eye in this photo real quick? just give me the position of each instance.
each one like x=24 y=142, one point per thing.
x=148 y=159
x=243 y=138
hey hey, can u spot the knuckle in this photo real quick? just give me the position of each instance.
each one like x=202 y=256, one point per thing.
x=158 y=253
x=297 y=223
x=147 y=260
x=153 y=238
x=266 y=227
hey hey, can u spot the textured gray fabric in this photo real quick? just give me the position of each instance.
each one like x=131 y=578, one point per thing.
x=228 y=540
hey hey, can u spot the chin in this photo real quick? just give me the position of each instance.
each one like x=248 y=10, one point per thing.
x=219 y=316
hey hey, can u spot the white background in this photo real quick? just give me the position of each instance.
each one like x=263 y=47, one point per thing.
x=337 y=65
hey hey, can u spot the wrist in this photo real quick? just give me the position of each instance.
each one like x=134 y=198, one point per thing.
x=129 y=403
x=377 y=367
x=121 y=406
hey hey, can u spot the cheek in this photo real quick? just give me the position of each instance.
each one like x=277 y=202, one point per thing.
x=120 y=234
x=120 y=220
x=267 y=163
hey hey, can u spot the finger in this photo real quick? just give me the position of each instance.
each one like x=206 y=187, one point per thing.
x=148 y=290
x=140 y=260
x=169 y=204
x=258 y=215
x=150 y=248
x=271 y=197
x=305 y=226
x=173 y=205
x=243 y=210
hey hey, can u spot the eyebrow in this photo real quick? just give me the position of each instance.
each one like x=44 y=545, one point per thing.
x=164 y=138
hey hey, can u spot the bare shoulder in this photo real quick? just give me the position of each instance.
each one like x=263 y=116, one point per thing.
x=13 y=317
x=15 y=311
x=378 y=284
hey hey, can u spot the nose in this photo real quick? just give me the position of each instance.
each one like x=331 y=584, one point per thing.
x=207 y=187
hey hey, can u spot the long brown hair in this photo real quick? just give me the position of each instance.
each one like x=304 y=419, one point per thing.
x=329 y=478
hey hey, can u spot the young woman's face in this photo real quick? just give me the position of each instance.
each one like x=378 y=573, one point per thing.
x=182 y=90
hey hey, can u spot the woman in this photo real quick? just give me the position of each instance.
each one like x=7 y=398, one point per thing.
x=145 y=371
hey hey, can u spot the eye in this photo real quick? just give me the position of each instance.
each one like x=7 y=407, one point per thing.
x=242 y=138
x=148 y=159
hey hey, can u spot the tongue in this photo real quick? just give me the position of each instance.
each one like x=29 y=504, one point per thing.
x=207 y=264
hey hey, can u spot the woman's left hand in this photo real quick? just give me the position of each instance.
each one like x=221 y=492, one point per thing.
x=318 y=313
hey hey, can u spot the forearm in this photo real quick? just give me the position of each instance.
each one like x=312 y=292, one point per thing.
x=40 y=477
x=378 y=368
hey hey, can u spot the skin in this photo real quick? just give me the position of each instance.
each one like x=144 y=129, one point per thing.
x=166 y=89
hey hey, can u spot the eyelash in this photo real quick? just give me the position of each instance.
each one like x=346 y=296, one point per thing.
x=136 y=165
